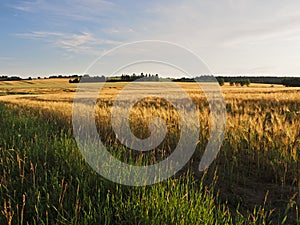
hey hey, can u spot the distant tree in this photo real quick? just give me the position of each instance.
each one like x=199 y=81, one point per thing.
x=76 y=80
x=291 y=82
x=221 y=81
x=247 y=82
x=244 y=82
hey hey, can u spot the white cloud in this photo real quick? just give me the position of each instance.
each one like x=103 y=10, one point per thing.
x=277 y=29
x=81 y=43
x=66 y=9
x=6 y=58
x=223 y=23
x=241 y=36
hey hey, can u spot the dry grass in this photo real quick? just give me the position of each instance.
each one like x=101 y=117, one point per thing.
x=260 y=152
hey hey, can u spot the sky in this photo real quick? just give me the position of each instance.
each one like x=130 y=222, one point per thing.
x=43 y=37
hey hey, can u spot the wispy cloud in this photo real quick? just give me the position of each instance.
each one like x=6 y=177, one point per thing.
x=80 y=43
x=6 y=58
x=68 y=9
x=223 y=23
x=284 y=28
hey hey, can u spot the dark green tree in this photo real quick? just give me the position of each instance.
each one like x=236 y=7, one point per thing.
x=221 y=81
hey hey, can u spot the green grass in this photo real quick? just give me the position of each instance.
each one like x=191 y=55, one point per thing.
x=45 y=180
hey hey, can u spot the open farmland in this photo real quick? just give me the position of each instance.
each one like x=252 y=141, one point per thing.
x=44 y=179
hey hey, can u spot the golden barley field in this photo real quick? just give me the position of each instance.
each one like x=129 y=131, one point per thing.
x=256 y=175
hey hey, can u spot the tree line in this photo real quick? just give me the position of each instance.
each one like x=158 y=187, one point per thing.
x=287 y=81
x=122 y=78
x=7 y=78
x=233 y=80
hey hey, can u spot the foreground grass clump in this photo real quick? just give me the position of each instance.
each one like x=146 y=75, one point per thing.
x=44 y=180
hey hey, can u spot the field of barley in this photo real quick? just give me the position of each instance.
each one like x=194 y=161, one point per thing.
x=44 y=178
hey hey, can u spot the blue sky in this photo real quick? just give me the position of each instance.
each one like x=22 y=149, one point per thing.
x=43 y=37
